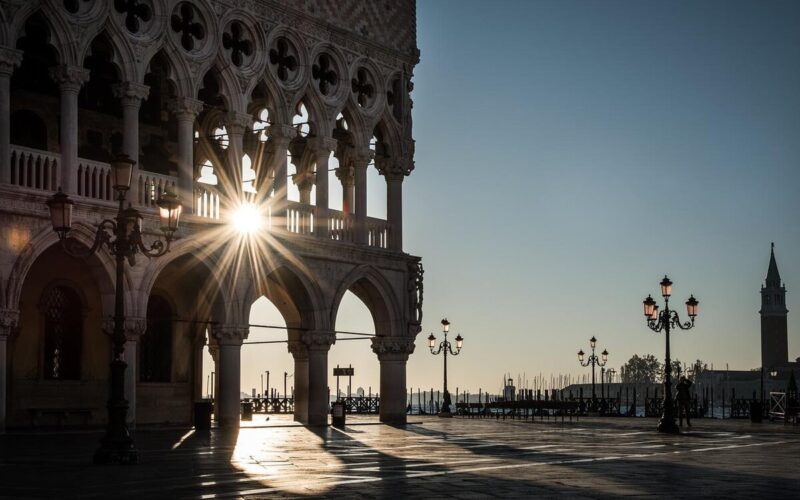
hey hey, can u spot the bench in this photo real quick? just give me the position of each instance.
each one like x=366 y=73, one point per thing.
x=61 y=415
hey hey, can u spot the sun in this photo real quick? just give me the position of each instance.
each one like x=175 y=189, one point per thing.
x=247 y=219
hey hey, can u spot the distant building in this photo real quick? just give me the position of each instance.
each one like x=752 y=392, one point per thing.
x=509 y=391
x=774 y=331
x=360 y=392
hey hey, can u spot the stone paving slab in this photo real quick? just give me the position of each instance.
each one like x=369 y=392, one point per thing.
x=431 y=458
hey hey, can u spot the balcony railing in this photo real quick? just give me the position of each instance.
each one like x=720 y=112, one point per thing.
x=35 y=169
x=41 y=170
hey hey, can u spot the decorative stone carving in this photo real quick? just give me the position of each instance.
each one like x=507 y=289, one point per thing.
x=131 y=93
x=136 y=12
x=230 y=334
x=318 y=340
x=69 y=78
x=9 y=319
x=186 y=108
x=9 y=59
x=415 y=288
x=238 y=41
x=324 y=72
x=134 y=327
x=393 y=348
x=185 y=23
x=283 y=57
x=363 y=87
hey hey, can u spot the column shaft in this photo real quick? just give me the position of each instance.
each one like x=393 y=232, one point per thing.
x=393 y=391
x=70 y=80
x=318 y=386
x=321 y=180
x=229 y=384
x=394 y=212
x=301 y=388
x=131 y=95
x=8 y=321
x=361 y=202
x=9 y=59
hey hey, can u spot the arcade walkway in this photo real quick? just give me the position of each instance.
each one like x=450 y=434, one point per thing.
x=430 y=458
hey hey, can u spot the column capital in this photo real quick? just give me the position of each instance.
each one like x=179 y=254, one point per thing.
x=9 y=319
x=392 y=348
x=318 y=340
x=69 y=78
x=347 y=175
x=298 y=349
x=321 y=146
x=360 y=157
x=236 y=123
x=394 y=169
x=230 y=334
x=131 y=93
x=134 y=327
x=278 y=132
x=9 y=59
x=186 y=108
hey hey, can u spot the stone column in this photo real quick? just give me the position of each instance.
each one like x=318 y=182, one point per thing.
x=318 y=343
x=300 y=354
x=9 y=59
x=186 y=110
x=394 y=210
x=321 y=148
x=278 y=144
x=236 y=124
x=361 y=160
x=213 y=351
x=131 y=95
x=229 y=338
x=70 y=79
x=9 y=319
x=393 y=354
x=198 y=344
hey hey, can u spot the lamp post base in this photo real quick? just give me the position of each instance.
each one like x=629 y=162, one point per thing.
x=667 y=425
x=445 y=414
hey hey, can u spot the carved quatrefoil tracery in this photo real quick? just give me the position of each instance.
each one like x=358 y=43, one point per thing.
x=236 y=40
x=136 y=13
x=184 y=22
x=325 y=74
x=283 y=56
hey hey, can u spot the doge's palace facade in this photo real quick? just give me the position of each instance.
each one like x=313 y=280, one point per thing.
x=228 y=103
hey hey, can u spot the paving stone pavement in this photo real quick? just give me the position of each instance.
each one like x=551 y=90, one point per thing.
x=429 y=458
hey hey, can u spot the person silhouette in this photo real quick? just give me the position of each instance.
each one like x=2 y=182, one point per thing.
x=683 y=399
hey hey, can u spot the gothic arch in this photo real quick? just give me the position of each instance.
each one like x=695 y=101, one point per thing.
x=182 y=250
x=101 y=264
x=123 y=57
x=375 y=291
x=57 y=28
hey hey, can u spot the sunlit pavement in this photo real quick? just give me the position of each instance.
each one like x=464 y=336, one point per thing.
x=429 y=458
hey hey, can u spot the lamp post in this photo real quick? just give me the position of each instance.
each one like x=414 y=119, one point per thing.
x=122 y=237
x=593 y=360
x=666 y=320
x=444 y=347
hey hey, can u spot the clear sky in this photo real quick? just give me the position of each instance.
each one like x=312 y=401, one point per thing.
x=569 y=154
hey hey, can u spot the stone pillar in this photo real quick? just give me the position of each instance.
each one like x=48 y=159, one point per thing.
x=394 y=211
x=198 y=345
x=361 y=160
x=70 y=79
x=236 y=124
x=9 y=319
x=321 y=147
x=393 y=354
x=9 y=59
x=300 y=355
x=131 y=95
x=186 y=110
x=278 y=144
x=318 y=343
x=134 y=329
x=229 y=338
x=346 y=175
x=213 y=350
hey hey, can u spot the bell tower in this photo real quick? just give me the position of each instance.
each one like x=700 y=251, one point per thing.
x=774 y=343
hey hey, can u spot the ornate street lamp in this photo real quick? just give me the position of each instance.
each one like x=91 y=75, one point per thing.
x=444 y=347
x=122 y=237
x=666 y=320
x=593 y=360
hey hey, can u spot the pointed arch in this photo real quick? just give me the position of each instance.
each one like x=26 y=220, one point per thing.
x=101 y=264
x=372 y=288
